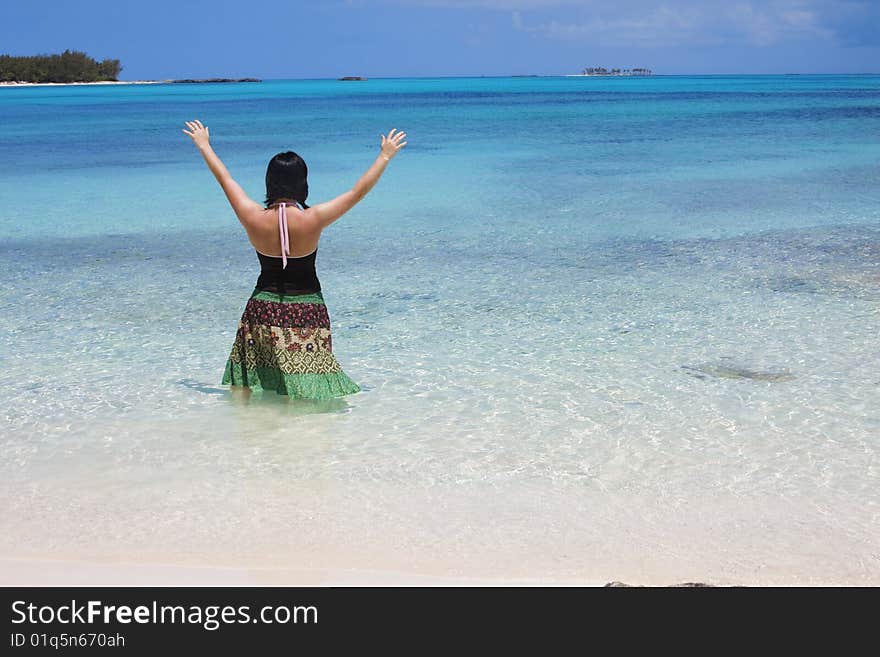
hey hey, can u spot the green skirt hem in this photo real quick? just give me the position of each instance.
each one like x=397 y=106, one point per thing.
x=295 y=386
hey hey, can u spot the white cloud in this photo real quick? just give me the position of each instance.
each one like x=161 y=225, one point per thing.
x=684 y=22
x=649 y=23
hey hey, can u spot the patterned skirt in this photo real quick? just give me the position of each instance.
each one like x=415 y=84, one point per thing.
x=284 y=344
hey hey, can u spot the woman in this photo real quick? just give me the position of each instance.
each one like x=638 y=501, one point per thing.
x=283 y=341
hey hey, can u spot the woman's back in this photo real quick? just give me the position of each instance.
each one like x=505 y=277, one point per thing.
x=287 y=273
x=266 y=237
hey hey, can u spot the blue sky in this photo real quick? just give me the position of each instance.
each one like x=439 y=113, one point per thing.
x=328 y=38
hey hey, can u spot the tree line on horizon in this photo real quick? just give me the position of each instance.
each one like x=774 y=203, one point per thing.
x=600 y=70
x=69 y=66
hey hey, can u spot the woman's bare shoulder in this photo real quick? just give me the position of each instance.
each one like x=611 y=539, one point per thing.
x=310 y=217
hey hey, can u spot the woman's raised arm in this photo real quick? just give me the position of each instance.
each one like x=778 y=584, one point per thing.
x=327 y=213
x=246 y=209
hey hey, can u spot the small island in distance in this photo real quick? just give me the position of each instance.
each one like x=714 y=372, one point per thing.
x=351 y=78
x=69 y=66
x=602 y=71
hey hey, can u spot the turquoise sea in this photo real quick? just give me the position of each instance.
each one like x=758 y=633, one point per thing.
x=605 y=328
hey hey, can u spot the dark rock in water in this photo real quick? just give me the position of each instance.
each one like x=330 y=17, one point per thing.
x=207 y=80
x=692 y=585
x=676 y=586
x=732 y=371
x=793 y=284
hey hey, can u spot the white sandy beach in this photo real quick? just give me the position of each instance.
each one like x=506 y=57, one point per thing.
x=279 y=532
x=72 y=84
x=46 y=572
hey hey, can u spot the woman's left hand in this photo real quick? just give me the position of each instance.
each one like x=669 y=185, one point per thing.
x=198 y=133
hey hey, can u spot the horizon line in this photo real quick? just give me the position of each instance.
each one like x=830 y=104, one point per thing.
x=366 y=78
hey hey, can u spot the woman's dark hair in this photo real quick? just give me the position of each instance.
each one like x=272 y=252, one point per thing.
x=287 y=177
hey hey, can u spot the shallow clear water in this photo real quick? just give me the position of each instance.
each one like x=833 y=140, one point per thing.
x=605 y=329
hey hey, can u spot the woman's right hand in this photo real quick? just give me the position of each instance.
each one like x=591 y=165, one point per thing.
x=392 y=143
x=198 y=133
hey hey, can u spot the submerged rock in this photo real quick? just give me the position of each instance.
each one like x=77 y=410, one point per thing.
x=733 y=371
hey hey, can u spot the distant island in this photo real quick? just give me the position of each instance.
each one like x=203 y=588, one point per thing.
x=206 y=80
x=599 y=70
x=75 y=67
x=69 y=66
x=351 y=78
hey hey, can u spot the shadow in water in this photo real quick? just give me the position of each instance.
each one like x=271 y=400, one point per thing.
x=204 y=388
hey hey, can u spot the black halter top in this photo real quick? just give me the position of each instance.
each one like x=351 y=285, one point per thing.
x=286 y=275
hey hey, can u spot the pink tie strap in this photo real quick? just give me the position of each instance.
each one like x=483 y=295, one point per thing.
x=282 y=233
